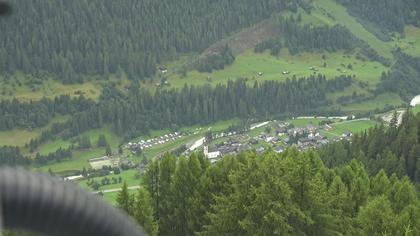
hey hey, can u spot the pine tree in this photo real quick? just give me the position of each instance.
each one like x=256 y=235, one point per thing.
x=394 y=121
x=185 y=196
x=108 y=150
x=380 y=184
x=376 y=218
x=124 y=200
x=102 y=141
x=143 y=212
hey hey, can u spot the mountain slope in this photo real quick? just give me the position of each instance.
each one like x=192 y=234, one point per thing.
x=74 y=39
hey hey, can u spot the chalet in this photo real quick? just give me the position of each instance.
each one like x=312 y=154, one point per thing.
x=260 y=150
x=328 y=127
x=163 y=69
x=279 y=150
x=304 y=141
x=347 y=134
x=253 y=141
x=311 y=129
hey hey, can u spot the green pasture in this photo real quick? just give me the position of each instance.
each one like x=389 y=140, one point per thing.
x=131 y=177
x=20 y=137
x=250 y=64
x=379 y=102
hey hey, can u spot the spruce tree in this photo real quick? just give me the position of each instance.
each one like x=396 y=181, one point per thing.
x=124 y=200
x=143 y=212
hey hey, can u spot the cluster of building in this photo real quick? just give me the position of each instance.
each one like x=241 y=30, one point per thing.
x=149 y=143
x=227 y=148
x=284 y=135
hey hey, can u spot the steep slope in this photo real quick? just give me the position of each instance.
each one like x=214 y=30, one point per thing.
x=340 y=15
x=77 y=38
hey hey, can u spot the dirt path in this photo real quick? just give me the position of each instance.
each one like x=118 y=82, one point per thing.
x=118 y=189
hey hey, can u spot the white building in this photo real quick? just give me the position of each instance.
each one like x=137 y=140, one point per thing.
x=212 y=156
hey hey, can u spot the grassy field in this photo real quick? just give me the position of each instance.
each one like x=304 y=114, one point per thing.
x=348 y=91
x=415 y=109
x=49 y=88
x=76 y=163
x=305 y=122
x=131 y=177
x=19 y=137
x=352 y=126
x=411 y=42
x=112 y=197
x=348 y=126
x=249 y=64
x=16 y=86
x=111 y=138
x=379 y=102
x=80 y=157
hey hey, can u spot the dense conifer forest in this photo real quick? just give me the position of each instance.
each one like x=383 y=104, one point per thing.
x=403 y=77
x=73 y=39
x=271 y=194
x=309 y=38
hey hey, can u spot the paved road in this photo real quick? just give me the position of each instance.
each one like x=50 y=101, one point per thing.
x=118 y=189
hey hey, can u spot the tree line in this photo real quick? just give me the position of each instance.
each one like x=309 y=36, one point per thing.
x=83 y=38
x=271 y=194
x=12 y=156
x=59 y=155
x=307 y=38
x=217 y=60
x=35 y=114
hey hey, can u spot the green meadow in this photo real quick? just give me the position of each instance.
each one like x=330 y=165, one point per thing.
x=249 y=64
x=20 y=137
x=112 y=197
x=352 y=126
x=131 y=177
x=380 y=101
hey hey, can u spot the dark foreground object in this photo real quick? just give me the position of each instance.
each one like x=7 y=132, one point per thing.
x=4 y=8
x=46 y=205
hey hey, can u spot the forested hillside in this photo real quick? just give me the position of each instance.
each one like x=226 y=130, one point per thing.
x=385 y=16
x=288 y=194
x=77 y=38
x=403 y=77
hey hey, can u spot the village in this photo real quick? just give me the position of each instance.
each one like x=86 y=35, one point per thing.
x=302 y=133
x=259 y=137
x=273 y=135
